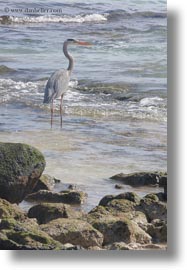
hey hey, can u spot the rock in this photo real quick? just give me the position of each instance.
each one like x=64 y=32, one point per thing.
x=45 y=182
x=120 y=205
x=161 y=196
x=20 y=167
x=106 y=199
x=68 y=197
x=158 y=231
x=140 y=178
x=152 y=196
x=4 y=19
x=116 y=229
x=117 y=186
x=8 y=210
x=118 y=246
x=5 y=69
x=46 y=212
x=153 y=209
x=163 y=183
x=73 y=231
x=25 y=235
x=134 y=246
x=131 y=196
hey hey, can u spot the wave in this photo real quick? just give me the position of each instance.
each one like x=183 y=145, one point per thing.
x=54 y=19
x=120 y=13
x=92 y=100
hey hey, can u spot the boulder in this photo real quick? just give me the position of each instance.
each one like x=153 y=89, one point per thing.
x=21 y=166
x=73 y=231
x=158 y=231
x=46 y=212
x=121 y=205
x=25 y=235
x=45 y=182
x=68 y=197
x=116 y=229
x=8 y=210
x=153 y=209
x=140 y=178
x=131 y=196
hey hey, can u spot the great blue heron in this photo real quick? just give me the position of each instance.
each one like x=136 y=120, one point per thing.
x=57 y=84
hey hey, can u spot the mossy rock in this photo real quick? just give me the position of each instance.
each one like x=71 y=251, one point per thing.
x=67 y=197
x=46 y=212
x=21 y=166
x=117 y=229
x=8 y=210
x=25 y=235
x=152 y=196
x=74 y=231
x=153 y=209
x=131 y=196
x=140 y=178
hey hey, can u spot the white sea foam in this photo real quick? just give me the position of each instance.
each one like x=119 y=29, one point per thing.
x=60 y=19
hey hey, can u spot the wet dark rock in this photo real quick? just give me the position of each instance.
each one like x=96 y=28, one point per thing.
x=153 y=209
x=158 y=230
x=68 y=197
x=46 y=212
x=21 y=166
x=74 y=231
x=140 y=178
x=104 y=201
x=4 y=19
x=5 y=69
x=118 y=186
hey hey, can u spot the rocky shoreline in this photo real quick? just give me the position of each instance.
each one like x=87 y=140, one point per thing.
x=54 y=222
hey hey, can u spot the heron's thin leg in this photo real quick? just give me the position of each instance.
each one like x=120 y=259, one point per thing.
x=61 y=110
x=52 y=110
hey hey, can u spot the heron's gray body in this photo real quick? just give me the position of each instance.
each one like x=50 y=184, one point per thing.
x=58 y=82
x=57 y=85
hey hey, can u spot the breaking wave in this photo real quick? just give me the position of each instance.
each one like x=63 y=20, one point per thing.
x=54 y=19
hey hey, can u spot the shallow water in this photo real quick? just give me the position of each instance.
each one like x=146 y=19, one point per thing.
x=115 y=112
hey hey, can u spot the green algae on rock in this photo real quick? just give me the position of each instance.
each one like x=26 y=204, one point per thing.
x=74 y=231
x=46 y=212
x=20 y=167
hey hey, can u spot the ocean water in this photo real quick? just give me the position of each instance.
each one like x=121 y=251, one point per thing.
x=115 y=111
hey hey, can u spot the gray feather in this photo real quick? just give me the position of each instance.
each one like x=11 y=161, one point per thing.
x=56 y=85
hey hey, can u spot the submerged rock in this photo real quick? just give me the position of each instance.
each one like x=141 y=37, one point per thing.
x=73 y=231
x=68 y=197
x=21 y=166
x=140 y=178
x=46 y=212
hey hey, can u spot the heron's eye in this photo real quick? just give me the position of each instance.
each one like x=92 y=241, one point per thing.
x=70 y=40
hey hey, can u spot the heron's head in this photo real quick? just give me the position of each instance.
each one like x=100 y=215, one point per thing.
x=78 y=42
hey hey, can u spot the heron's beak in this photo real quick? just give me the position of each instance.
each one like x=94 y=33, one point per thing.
x=84 y=43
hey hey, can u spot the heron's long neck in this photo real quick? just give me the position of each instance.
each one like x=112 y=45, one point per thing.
x=70 y=58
